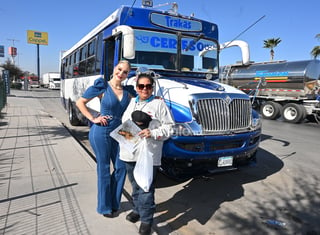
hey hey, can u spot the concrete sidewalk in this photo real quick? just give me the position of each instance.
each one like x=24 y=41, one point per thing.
x=47 y=181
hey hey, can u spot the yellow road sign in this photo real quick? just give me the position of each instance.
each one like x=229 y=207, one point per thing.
x=36 y=37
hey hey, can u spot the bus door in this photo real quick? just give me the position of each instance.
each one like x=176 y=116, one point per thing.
x=109 y=57
x=120 y=45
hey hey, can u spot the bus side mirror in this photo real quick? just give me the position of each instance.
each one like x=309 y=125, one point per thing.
x=263 y=81
x=128 y=40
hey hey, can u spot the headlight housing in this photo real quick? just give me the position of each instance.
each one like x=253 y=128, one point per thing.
x=256 y=121
x=182 y=129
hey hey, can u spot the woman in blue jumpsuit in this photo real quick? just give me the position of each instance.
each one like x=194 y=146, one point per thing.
x=114 y=101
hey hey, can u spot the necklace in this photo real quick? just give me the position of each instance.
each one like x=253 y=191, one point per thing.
x=116 y=87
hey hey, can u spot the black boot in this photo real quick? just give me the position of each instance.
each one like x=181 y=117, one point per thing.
x=145 y=229
x=133 y=217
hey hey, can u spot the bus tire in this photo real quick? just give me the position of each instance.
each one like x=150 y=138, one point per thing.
x=293 y=113
x=271 y=110
x=74 y=121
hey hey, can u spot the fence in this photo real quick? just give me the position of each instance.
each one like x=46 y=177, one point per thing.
x=3 y=95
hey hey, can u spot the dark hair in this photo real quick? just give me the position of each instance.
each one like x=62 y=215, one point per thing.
x=145 y=75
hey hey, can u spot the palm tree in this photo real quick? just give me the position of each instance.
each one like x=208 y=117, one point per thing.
x=316 y=50
x=271 y=44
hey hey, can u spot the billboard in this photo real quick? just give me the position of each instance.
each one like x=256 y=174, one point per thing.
x=36 y=37
x=12 y=51
x=1 y=51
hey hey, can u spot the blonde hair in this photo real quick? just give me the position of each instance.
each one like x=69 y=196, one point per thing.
x=124 y=62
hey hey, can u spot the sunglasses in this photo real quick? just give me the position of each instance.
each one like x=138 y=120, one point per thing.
x=142 y=86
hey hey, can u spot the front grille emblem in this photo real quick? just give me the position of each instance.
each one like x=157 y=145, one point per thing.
x=227 y=100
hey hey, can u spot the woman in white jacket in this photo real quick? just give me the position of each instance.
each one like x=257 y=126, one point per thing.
x=152 y=115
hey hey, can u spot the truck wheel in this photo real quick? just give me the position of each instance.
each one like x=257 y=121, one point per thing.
x=304 y=112
x=293 y=113
x=317 y=118
x=74 y=121
x=271 y=110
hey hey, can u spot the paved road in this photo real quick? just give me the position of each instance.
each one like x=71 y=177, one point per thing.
x=284 y=186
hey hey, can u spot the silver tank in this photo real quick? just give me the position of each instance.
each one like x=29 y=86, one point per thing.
x=296 y=78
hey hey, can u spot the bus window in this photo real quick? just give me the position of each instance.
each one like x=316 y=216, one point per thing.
x=83 y=53
x=82 y=68
x=90 y=69
x=187 y=63
x=76 y=57
x=83 y=62
x=153 y=49
x=158 y=50
x=192 y=59
x=91 y=48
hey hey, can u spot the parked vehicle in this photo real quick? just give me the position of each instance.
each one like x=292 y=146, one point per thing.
x=51 y=80
x=216 y=127
x=33 y=81
x=291 y=88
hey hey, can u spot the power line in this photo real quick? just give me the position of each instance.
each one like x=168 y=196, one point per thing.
x=13 y=40
x=245 y=30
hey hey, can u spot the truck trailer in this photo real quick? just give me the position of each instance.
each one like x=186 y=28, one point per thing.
x=51 y=80
x=287 y=89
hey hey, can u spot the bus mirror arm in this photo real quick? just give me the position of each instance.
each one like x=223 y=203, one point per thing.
x=128 y=40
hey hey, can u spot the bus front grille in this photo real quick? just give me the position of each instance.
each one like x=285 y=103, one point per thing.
x=217 y=115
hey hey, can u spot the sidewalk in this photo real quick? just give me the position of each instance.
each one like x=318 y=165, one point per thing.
x=47 y=181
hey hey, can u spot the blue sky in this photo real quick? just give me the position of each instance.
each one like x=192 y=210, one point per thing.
x=66 y=22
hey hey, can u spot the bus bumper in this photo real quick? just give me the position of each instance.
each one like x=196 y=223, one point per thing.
x=189 y=156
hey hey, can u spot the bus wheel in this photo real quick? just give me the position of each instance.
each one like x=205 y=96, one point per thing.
x=293 y=113
x=74 y=121
x=271 y=110
x=169 y=170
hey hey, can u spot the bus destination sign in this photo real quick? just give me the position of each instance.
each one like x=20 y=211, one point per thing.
x=176 y=23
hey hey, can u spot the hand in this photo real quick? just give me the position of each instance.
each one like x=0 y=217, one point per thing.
x=146 y=133
x=102 y=120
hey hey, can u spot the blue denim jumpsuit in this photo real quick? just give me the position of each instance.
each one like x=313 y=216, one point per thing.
x=106 y=148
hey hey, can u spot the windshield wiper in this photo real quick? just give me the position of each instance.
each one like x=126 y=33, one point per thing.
x=194 y=41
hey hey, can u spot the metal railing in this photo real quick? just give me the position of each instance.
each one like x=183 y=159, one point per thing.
x=3 y=95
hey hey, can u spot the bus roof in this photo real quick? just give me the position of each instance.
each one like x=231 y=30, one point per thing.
x=120 y=16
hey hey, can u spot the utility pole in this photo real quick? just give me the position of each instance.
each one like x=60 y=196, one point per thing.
x=13 y=40
x=18 y=55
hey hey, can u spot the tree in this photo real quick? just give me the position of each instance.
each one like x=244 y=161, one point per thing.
x=271 y=44
x=14 y=71
x=315 y=52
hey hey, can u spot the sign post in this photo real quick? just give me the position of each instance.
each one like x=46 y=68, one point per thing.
x=1 y=51
x=6 y=78
x=39 y=38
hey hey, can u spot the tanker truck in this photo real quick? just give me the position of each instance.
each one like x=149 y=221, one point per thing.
x=290 y=90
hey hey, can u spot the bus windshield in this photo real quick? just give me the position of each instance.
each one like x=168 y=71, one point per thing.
x=159 y=50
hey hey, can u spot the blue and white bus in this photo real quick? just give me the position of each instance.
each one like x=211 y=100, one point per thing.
x=216 y=127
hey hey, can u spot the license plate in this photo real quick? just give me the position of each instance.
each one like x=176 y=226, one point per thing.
x=225 y=161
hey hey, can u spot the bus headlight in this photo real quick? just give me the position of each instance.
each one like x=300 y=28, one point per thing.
x=182 y=129
x=256 y=121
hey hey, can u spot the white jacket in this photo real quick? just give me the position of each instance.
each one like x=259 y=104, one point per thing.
x=161 y=127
